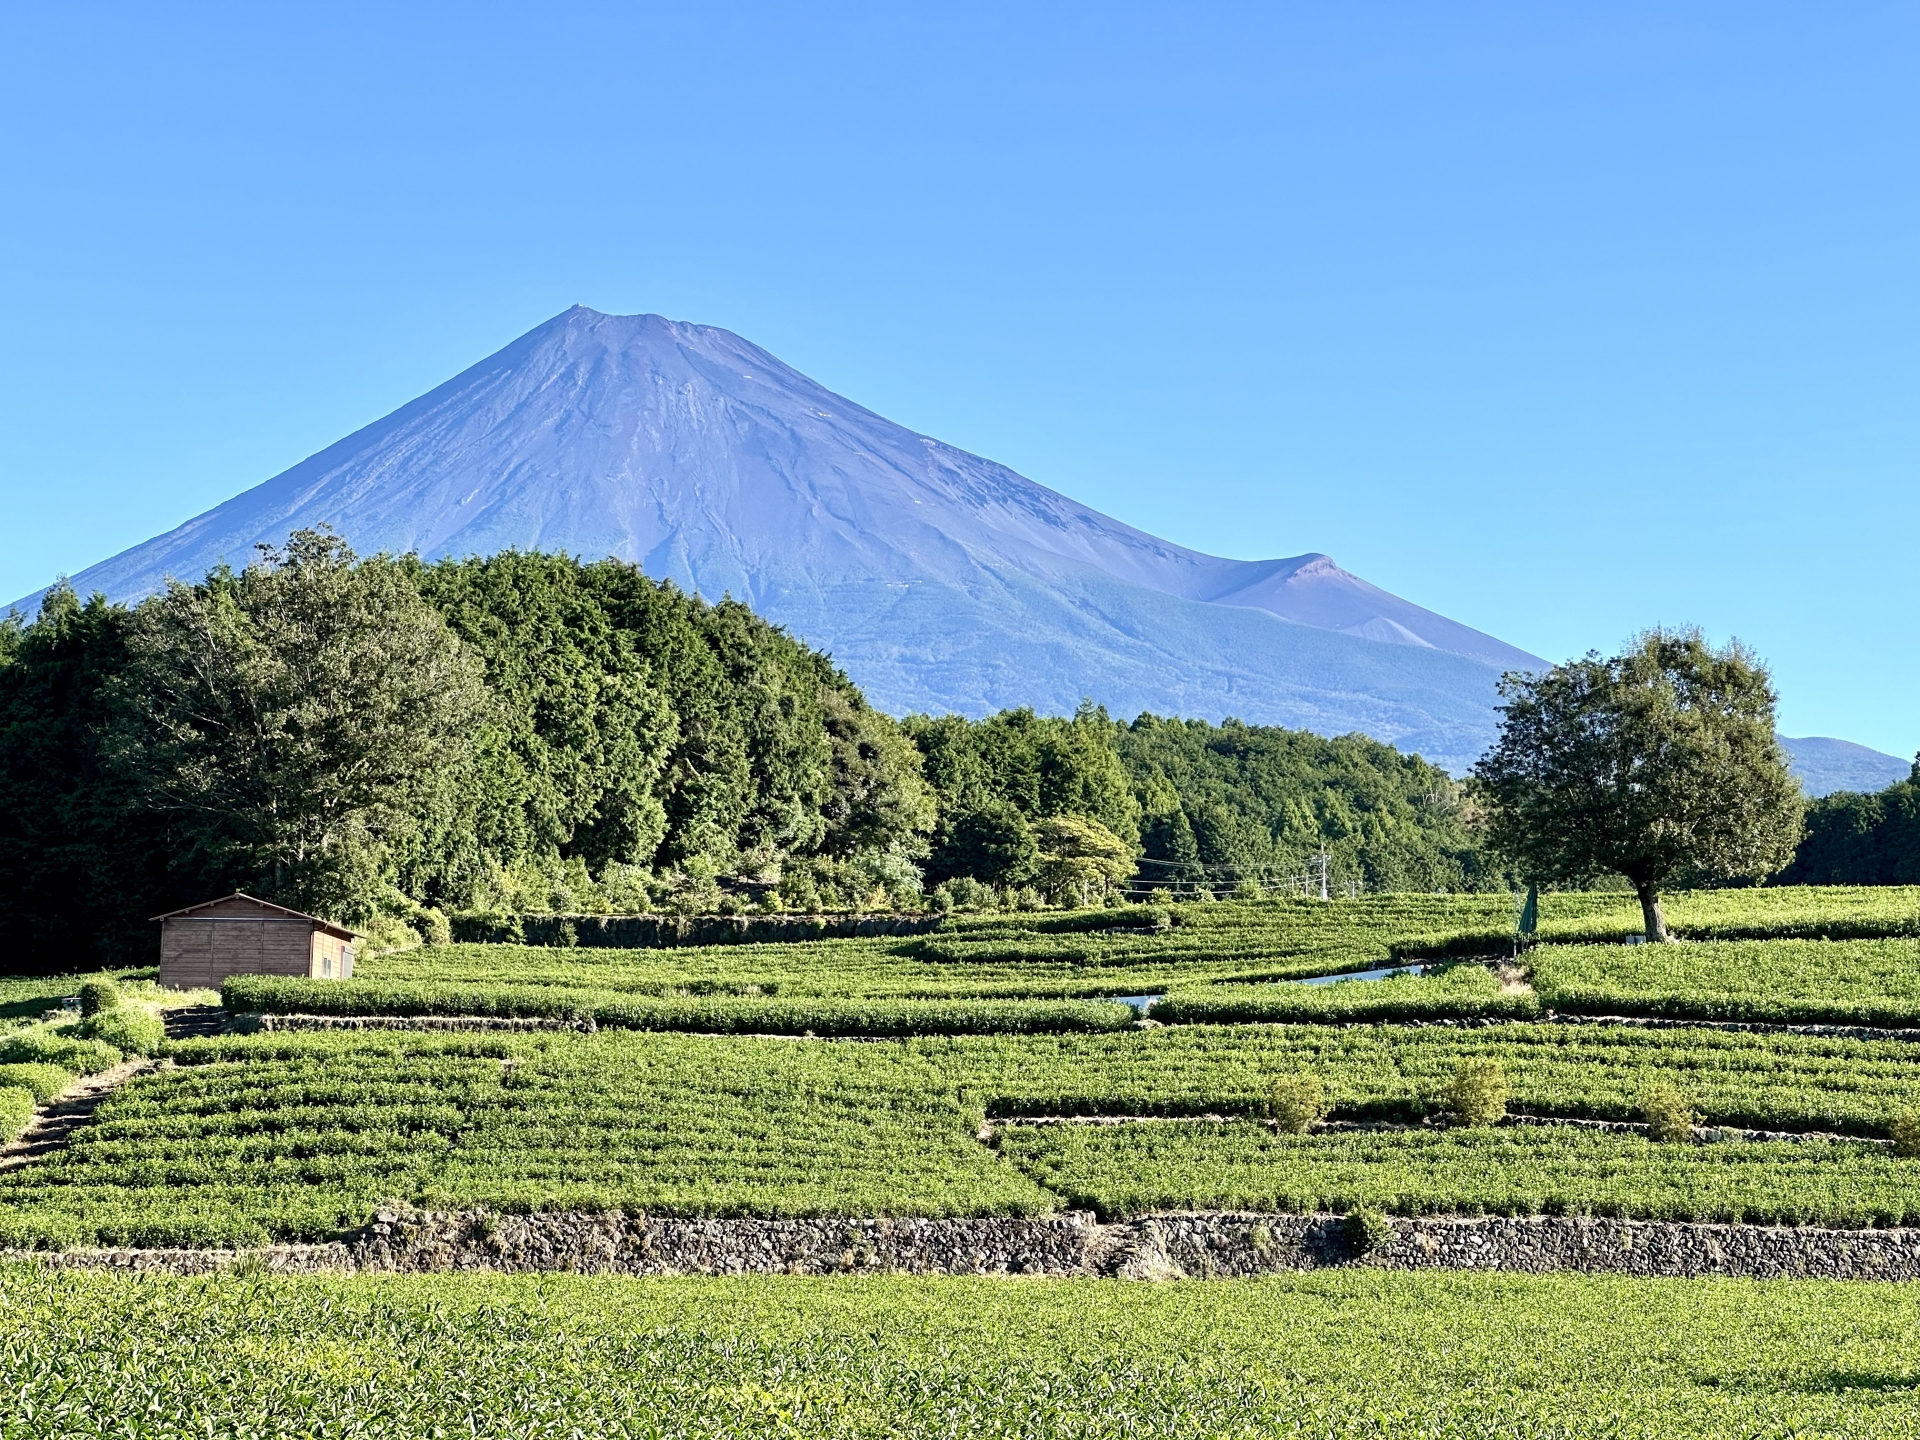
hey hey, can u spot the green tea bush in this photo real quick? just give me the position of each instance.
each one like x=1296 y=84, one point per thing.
x=46 y=1045
x=1341 y=1352
x=1831 y=982
x=45 y=1081
x=1297 y=1103
x=1366 y=1230
x=1478 y=1092
x=1669 y=1116
x=98 y=994
x=1904 y=1131
x=1458 y=992
x=128 y=1029
x=1155 y=1165
x=720 y=1014
x=17 y=1105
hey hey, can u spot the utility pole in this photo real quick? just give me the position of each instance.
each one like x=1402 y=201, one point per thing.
x=1323 y=873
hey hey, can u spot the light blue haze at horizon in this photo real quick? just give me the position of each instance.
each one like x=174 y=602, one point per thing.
x=1559 y=320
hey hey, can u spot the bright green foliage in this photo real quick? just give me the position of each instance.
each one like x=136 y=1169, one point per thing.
x=43 y=1080
x=1506 y=1170
x=302 y=1135
x=1080 y=860
x=298 y=1135
x=57 y=1045
x=16 y=1109
x=1832 y=982
x=127 y=1029
x=1297 y=1103
x=1390 y=1073
x=1660 y=765
x=996 y=777
x=1225 y=802
x=1340 y=1353
x=1477 y=1093
x=1669 y=1116
x=98 y=994
x=300 y=727
x=1367 y=1230
x=714 y=1014
x=389 y=740
x=1458 y=992
x=1122 y=951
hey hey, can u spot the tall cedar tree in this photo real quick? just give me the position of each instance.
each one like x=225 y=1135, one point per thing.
x=1660 y=765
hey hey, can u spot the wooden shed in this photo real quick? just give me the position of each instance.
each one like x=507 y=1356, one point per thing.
x=239 y=935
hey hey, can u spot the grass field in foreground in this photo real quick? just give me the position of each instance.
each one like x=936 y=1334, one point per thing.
x=1334 y=1354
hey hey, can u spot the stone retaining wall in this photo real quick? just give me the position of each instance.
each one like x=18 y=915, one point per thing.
x=1155 y=1247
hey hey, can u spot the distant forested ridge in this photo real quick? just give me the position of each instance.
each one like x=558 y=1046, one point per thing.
x=1861 y=839
x=388 y=741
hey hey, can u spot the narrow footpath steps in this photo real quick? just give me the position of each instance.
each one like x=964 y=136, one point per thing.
x=194 y=1022
x=55 y=1122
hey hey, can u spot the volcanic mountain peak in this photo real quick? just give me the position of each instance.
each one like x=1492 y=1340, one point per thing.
x=938 y=579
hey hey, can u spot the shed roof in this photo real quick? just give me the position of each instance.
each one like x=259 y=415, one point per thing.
x=280 y=912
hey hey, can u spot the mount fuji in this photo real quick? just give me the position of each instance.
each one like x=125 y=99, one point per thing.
x=938 y=580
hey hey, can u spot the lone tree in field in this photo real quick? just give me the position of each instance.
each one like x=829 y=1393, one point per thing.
x=1660 y=765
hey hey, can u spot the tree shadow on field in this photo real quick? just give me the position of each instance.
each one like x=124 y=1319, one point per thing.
x=1833 y=1382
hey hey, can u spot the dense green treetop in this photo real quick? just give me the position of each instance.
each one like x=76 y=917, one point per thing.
x=1232 y=801
x=1855 y=839
x=1660 y=764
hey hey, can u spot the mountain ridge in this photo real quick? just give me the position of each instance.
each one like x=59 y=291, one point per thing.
x=938 y=579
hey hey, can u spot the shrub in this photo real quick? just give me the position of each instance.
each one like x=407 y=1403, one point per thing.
x=45 y=1081
x=1477 y=1094
x=44 y=1045
x=16 y=1110
x=134 y=1031
x=1905 y=1130
x=1366 y=1230
x=1297 y=1103
x=1670 y=1117
x=99 y=995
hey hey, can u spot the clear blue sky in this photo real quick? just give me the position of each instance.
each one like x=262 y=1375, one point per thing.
x=1561 y=319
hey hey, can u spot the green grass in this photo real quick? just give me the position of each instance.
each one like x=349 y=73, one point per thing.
x=1835 y=982
x=1343 y=1354
x=1129 y=1169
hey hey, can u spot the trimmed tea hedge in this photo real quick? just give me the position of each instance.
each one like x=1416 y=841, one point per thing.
x=713 y=1014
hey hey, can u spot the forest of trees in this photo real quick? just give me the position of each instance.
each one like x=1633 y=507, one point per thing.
x=1855 y=839
x=389 y=741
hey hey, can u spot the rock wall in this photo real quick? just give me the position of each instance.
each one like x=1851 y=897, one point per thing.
x=1155 y=1247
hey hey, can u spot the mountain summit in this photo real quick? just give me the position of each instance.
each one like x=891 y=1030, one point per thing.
x=937 y=579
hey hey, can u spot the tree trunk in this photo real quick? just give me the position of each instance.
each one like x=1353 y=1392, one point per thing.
x=1650 y=911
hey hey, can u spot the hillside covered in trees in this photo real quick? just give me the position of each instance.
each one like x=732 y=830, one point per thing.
x=390 y=741
x=1861 y=839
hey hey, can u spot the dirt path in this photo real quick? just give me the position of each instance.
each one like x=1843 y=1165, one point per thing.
x=55 y=1122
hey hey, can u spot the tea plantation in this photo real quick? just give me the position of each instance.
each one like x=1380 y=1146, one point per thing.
x=987 y=1069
